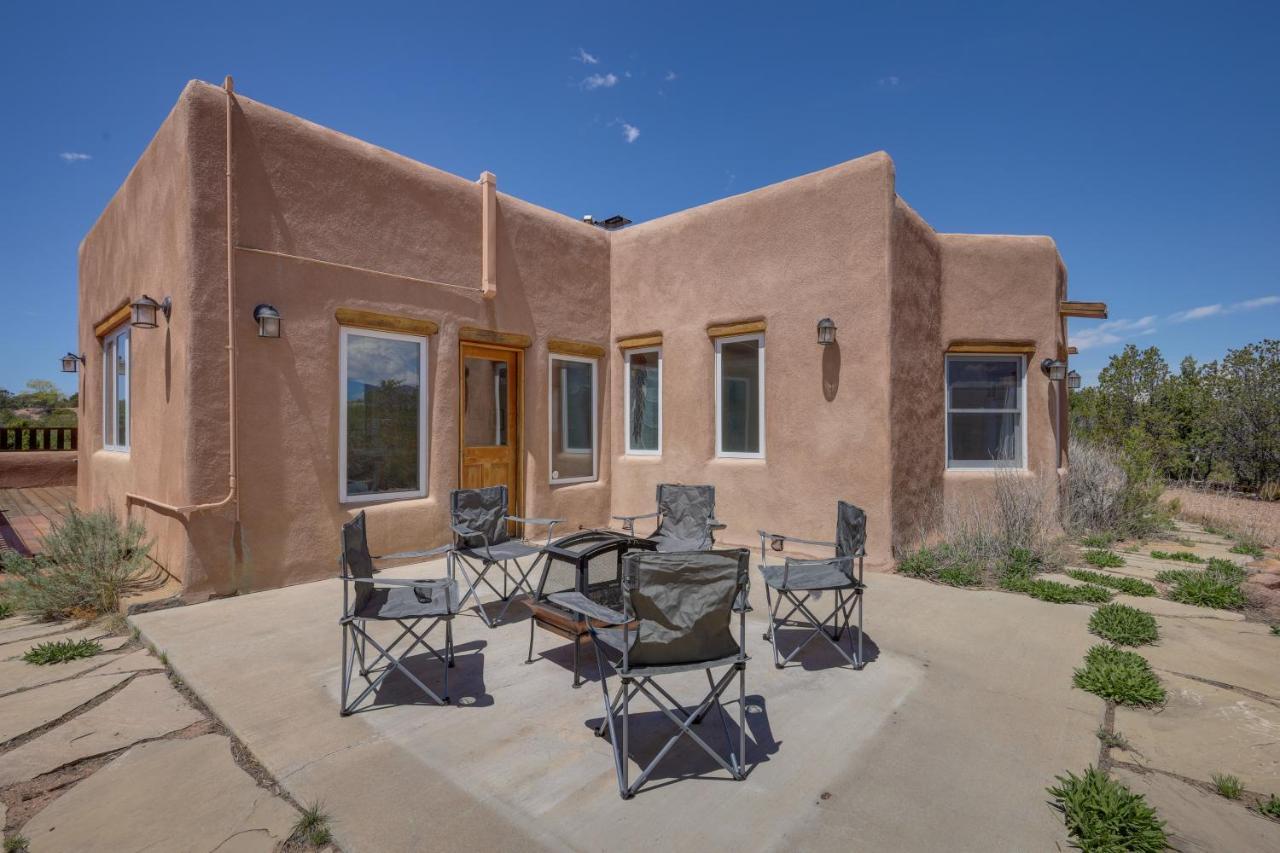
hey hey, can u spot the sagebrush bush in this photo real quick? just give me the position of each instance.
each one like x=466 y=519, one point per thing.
x=1112 y=494
x=1104 y=816
x=89 y=561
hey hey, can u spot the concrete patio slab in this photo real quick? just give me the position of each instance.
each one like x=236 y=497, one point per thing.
x=218 y=808
x=968 y=692
x=31 y=709
x=1200 y=822
x=1203 y=730
x=147 y=708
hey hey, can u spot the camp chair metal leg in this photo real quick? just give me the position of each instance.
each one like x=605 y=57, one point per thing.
x=772 y=636
x=395 y=662
x=626 y=740
x=521 y=583
x=742 y=720
x=685 y=728
x=529 y=657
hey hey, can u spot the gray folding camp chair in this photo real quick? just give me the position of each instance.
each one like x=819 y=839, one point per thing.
x=479 y=520
x=797 y=580
x=677 y=616
x=408 y=603
x=686 y=518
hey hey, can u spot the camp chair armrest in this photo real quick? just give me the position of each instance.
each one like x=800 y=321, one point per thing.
x=541 y=522
x=404 y=555
x=784 y=539
x=634 y=517
x=715 y=524
x=576 y=602
x=426 y=583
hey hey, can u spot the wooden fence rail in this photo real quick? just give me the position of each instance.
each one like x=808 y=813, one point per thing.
x=16 y=439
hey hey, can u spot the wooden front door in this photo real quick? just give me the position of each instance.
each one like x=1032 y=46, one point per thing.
x=490 y=419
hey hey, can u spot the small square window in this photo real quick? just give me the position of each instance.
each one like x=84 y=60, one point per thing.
x=985 y=403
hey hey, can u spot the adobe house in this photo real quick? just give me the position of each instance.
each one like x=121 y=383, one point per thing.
x=435 y=332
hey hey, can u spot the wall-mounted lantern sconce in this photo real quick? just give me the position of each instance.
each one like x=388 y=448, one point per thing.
x=1073 y=381
x=145 y=309
x=268 y=319
x=71 y=362
x=826 y=332
x=1056 y=370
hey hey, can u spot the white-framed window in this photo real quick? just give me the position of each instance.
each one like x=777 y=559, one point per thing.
x=382 y=415
x=642 y=401
x=986 y=405
x=740 y=396
x=116 y=359
x=572 y=407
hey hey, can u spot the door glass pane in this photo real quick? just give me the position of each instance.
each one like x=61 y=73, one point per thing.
x=108 y=393
x=485 y=403
x=122 y=390
x=983 y=384
x=384 y=387
x=740 y=397
x=645 y=398
x=982 y=439
x=572 y=416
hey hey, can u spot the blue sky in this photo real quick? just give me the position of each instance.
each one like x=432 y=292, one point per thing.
x=1142 y=136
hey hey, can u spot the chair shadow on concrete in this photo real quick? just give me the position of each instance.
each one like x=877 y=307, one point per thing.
x=650 y=731
x=466 y=680
x=818 y=654
x=562 y=656
x=515 y=614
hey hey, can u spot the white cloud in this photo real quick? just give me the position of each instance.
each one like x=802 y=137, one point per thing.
x=1113 y=332
x=1218 y=309
x=75 y=156
x=598 y=81
x=670 y=76
x=1196 y=313
x=1260 y=302
x=890 y=81
x=630 y=132
x=586 y=58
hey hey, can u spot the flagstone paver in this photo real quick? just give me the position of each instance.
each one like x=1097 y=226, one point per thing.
x=18 y=675
x=106 y=641
x=178 y=795
x=1201 y=822
x=23 y=712
x=147 y=708
x=18 y=628
x=136 y=661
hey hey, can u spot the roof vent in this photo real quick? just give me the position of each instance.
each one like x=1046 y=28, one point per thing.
x=613 y=223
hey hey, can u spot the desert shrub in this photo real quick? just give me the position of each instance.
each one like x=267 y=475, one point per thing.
x=921 y=563
x=1275 y=629
x=1177 y=556
x=90 y=560
x=1227 y=785
x=1129 y=586
x=1202 y=588
x=1056 y=592
x=1103 y=559
x=1269 y=491
x=6 y=608
x=1270 y=807
x=1119 y=676
x=61 y=651
x=962 y=574
x=1112 y=493
x=1104 y=816
x=1124 y=625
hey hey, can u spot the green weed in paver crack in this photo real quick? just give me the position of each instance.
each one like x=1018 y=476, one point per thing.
x=1098 y=540
x=1275 y=629
x=1247 y=548
x=16 y=844
x=1113 y=740
x=1270 y=806
x=1103 y=816
x=1227 y=785
x=1202 y=589
x=1178 y=556
x=312 y=826
x=61 y=651
x=1119 y=676
x=1129 y=586
x=1124 y=625
x=1103 y=559
x=1058 y=593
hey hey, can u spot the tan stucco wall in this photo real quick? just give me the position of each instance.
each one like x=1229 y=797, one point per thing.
x=324 y=221
x=792 y=253
x=916 y=377
x=997 y=287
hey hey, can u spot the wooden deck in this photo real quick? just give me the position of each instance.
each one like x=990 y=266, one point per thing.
x=26 y=515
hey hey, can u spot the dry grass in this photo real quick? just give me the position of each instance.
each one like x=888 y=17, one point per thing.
x=1239 y=517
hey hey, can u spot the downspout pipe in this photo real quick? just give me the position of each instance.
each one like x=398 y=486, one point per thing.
x=233 y=494
x=488 y=235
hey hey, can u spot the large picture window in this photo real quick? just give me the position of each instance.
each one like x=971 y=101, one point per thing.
x=383 y=415
x=643 y=401
x=115 y=390
x=740 y=396
x=573 y=419
x=985 y=402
